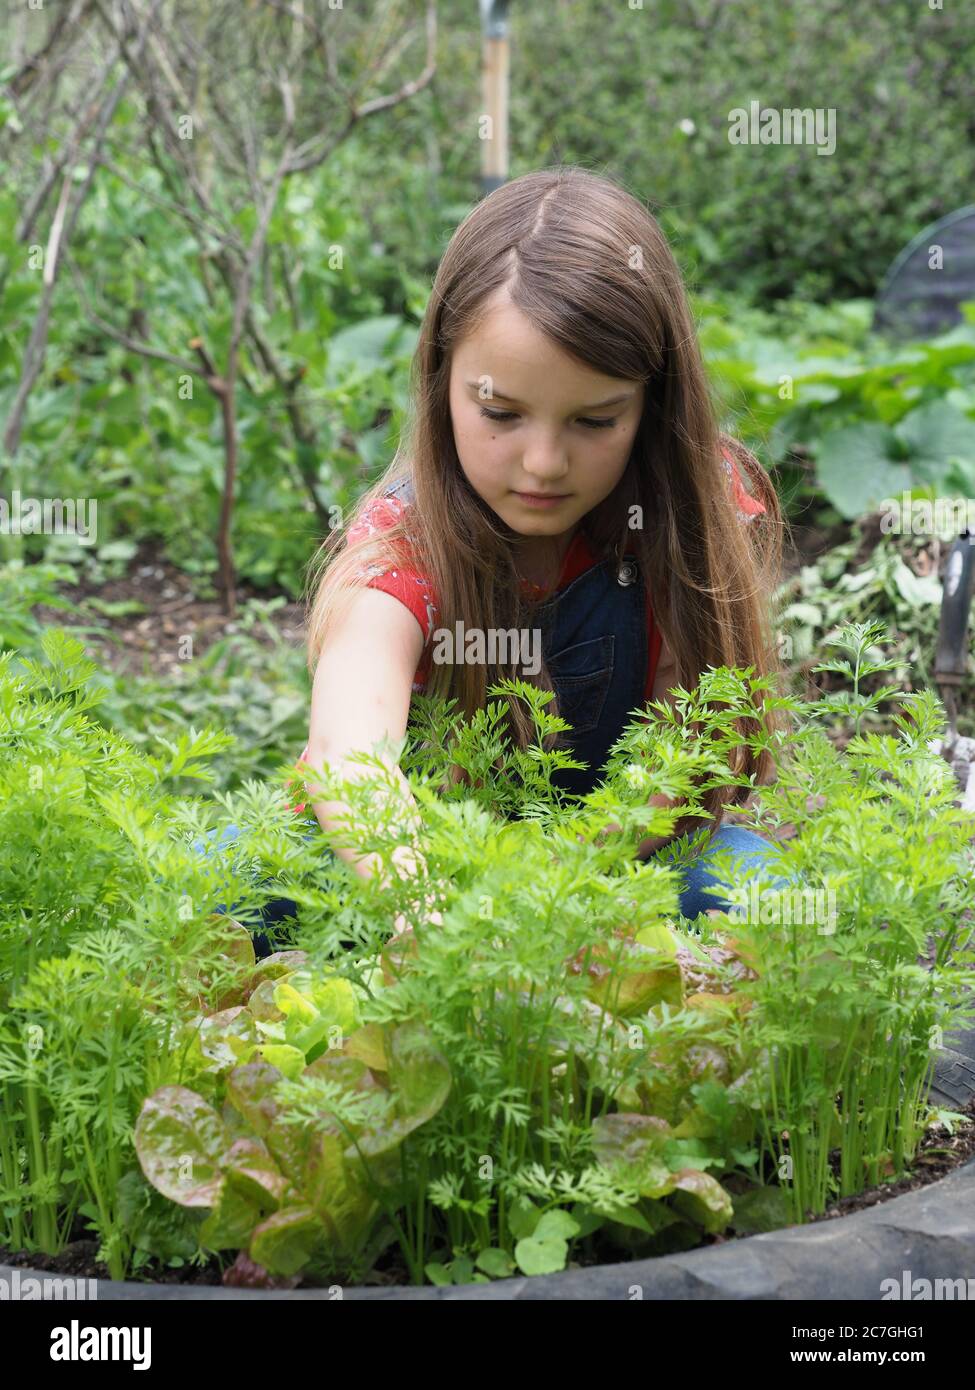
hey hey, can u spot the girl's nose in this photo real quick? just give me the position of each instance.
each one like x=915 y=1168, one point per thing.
x=548 y=463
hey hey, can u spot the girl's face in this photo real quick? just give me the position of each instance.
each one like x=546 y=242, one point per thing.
x=528 y=419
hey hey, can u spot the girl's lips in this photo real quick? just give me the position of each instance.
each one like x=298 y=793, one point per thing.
x=532 y=499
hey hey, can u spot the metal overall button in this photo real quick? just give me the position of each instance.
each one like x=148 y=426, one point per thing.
x=627 y=573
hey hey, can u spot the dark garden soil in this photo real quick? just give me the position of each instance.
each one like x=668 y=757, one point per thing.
x=77 y=1260
x=939 y=1154
x=147 y=642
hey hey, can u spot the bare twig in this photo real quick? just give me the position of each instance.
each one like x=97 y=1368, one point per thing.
x=37 y=65
x=64 y=222
x=314 y=152
x=136 y=345
x=69 y=150
x=241 y=306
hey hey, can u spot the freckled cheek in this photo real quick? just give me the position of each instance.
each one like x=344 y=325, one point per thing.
x=488 y=447
x=473 y=433
x=481 y=450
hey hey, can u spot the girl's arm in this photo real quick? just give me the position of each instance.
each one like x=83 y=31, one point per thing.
x=361 y=692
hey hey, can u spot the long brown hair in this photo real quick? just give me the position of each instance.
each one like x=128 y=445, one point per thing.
x=589 y=266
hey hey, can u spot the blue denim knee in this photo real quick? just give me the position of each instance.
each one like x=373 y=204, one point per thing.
x=748 y=849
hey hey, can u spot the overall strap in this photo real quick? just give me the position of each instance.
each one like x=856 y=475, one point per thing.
x=594 y=639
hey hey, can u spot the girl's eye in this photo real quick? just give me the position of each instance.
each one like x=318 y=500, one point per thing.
x=501 y=416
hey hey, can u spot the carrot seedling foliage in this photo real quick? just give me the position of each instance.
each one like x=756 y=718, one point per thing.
x=549 y=1065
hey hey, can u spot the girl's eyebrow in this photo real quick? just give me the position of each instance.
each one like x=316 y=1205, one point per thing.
x=512 y=400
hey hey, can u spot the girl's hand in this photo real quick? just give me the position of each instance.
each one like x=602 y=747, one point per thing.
x=410 y=860
x=403 y=945
x=431 y=918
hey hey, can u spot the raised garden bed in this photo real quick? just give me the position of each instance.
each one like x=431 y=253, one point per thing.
x=549 y=1067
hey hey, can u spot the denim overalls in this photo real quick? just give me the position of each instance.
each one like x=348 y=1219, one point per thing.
x=594 y=639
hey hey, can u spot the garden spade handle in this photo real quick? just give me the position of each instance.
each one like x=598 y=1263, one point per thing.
x=494 y=83
x=951 y=659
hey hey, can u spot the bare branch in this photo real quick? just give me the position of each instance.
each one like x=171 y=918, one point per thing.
x=144 y=77
x=69 y=150
x=36 y=350
x=37 y=65
x=241 y=305
x=135 y=345
x=313 y=152
x=410 y=89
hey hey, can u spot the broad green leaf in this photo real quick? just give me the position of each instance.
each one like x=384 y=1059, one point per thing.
x=632 y=1148
x=227 y=1038
x=180 y=1140
x=497 y=1263
x=418 y=1072
x=293 y=1005
x=702 y=1200
x=261 y=1002
x=419 y=1079
x=284 y=1243
x=523 y=1217
x=348 y=1072
x=534 y=1256
x=232 y=939
x=232 y=1220
x=856 y=470
x=936 y=433
x=369 y=1045
x=290 y=1146
x=556 y=1224
x=641 y=974
x=290 y=1061
x=280 y=965
x=363 y=345
x=760 y=1209
x=250 y=1090
x=462 y=1269
x=255 y=1172
x=312 y=1039
x=631 y=1216
x=587 y=1219
x=338 y=1192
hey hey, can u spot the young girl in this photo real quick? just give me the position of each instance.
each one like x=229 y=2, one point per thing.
x=562 y=474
